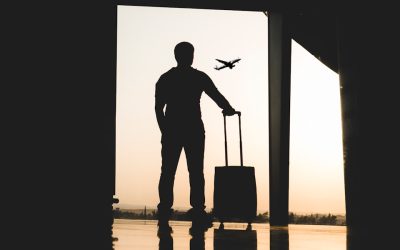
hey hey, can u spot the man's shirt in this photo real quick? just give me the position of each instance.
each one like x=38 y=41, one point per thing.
x=180 y=89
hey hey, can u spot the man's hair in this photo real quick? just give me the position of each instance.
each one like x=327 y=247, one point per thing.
x=184 y=53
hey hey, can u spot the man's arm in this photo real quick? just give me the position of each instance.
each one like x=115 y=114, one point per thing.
x=212 y=91
x=159 y=106
x=160 y=115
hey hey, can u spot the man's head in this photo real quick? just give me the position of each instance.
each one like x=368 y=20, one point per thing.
x=184 y=53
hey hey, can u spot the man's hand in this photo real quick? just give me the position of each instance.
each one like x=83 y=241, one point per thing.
x=229 y=112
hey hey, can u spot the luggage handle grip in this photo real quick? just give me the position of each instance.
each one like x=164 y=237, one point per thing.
x=236 y=113
x=240 y=139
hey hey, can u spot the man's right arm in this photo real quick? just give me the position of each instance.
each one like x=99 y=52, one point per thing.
x=159 y=105
x=160 y=116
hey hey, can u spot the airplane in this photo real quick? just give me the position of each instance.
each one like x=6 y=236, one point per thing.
x=229 y=64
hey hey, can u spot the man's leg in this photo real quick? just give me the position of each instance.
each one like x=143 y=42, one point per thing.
x=194 y=150
x=170 y=153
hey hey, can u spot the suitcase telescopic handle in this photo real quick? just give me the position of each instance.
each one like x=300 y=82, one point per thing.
x=240 y=140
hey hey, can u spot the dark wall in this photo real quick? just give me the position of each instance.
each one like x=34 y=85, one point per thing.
x=370 y=113
x=60 y=122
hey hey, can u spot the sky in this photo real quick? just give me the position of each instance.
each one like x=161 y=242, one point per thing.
x=146 y=39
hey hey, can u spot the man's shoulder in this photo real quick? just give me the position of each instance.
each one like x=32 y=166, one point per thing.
x=198 y=71
x=168 y=72
x=200 y=74
x=166 y=76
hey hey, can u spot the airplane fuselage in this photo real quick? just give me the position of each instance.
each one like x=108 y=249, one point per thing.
x=229 y=64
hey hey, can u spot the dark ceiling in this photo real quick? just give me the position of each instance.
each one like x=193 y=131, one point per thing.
x=312 y=24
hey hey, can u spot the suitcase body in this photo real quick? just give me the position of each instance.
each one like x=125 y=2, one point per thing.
x=235 y=192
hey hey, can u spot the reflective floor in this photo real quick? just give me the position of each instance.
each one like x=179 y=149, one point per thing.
x=136 y=234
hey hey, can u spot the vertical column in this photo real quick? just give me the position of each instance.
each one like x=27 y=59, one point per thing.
x=279 y=62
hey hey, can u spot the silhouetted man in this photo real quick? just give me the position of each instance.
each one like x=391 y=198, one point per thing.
x=179 y=90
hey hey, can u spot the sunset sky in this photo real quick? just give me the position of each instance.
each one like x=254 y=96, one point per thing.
x=146 y=39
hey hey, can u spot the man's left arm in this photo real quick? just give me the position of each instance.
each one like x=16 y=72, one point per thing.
x=212 y=91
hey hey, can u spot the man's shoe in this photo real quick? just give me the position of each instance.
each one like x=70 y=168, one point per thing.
x=202 y=222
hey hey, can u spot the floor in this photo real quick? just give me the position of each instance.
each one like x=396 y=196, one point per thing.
x=140 y=234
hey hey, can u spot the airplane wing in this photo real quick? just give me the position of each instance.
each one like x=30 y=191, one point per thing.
x=218 y=68
x=236 y=60
x=221 y=61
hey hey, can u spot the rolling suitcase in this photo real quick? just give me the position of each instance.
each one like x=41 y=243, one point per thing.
x=235 y=193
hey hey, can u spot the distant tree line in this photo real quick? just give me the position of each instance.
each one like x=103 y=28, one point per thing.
x=316 y=219
x=176 y=215
x=311 y=219
x=130 y=214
